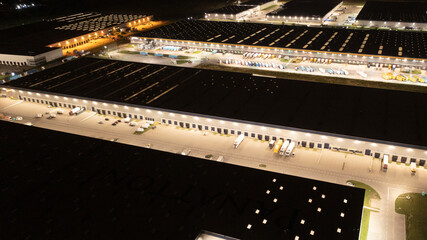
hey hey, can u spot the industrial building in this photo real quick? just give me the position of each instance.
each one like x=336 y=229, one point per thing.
x=80 y=187
x=367 y=45
x=240 y=11
x=349 y=119
x=232 y=12
x=41 y=42
x=410 y=15
x=305 y=11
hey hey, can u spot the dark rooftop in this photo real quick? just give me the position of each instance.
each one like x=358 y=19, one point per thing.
x=33 y=38
x=306 y=8
x=394 y=11
x=389 y=115
x=413 y=44
x=63 y=186
x=255 y=2
x=231 y=9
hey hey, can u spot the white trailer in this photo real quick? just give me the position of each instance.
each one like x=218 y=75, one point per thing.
x=290 y=149
x=238 y=140
x=362 y=74
x=74 y=110
x=284 y=147
x=385 y=162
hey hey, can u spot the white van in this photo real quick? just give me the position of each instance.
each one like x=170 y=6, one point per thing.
x=186 y=152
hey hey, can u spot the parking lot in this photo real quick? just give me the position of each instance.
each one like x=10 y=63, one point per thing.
x=282 y=63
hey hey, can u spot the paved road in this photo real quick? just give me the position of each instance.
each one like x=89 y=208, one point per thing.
x=322 y=165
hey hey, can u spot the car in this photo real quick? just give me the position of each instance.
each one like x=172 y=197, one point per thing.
x=100 y=122
x=107 y=119
x=60 y=111
x=114 y=123
x=114 y=139
x=39 y=115
x=119 y=121
x=18 y=118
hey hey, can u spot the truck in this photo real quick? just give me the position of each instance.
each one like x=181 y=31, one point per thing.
x=238 y=140
x=278 y=146
x=362 y=74
x=413 y=168
x=271 y=144
x=290 y=149
x=385 y=162
x=74 y=111
x=283 y=148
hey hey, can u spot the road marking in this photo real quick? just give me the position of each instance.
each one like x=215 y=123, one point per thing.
x=11 y=105
x=88 y=117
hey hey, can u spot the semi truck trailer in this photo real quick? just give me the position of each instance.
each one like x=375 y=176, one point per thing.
x=278 y=146
x=290 y=149
x=238 y=140
x=284 y=147
x=74 y=110
x=385 y=162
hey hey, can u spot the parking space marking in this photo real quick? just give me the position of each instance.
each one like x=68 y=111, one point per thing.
x=11 y=105
x=91 y=115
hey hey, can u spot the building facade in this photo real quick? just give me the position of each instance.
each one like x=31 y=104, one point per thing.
x=253 y=130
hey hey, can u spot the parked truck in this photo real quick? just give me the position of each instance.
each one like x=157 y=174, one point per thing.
x=77 y=110
x=385 y=162
x=284 y=147
x=74 y=110
x=413 y=168
x=271 y=144
x=238 y=140
x=290 y=149
x=278 y=146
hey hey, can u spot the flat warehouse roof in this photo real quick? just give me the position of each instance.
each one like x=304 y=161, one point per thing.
x=77 y=186
x=369 y=42
x=394 y=11
x=231 y=9
x=306 y=8
x=255 y=2
x=388 y=115
x=31 y=39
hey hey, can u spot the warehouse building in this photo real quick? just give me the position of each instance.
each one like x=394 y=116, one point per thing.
x=367 y=45
x=305 y=11
x=409 y=15
x=105 y=190
x=354 y=120
x=260 y=4
x=232 y=12
x=41 y=42
x=240 y=11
